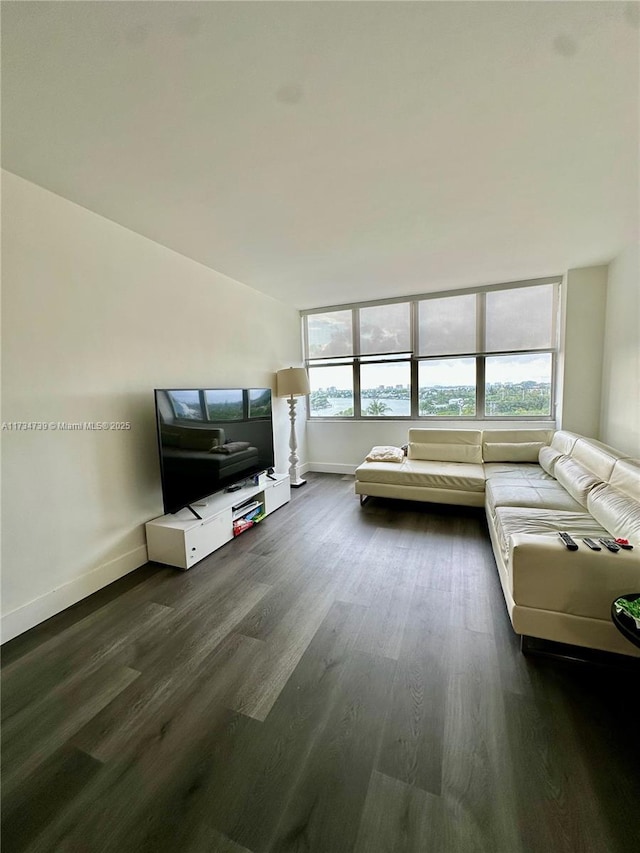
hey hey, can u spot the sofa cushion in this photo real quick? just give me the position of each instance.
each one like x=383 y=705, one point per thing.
x=626 y=477
x=576 y=479
x=515 y=472
x=563 y=441
x=446 y=445
x=547 y=457
x=541 y=495
x=596 y=457
x=525 y=451
x=465 y=476
x=514 y=445
x=616 y=511
x=512 y=520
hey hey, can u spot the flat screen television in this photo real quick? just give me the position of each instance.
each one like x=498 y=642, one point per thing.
x=210 y=439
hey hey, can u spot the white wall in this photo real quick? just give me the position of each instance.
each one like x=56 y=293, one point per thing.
x=620 y=415
x=94 y=318
x=580 y=361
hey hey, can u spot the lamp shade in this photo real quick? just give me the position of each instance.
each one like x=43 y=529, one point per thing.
x=292 y=382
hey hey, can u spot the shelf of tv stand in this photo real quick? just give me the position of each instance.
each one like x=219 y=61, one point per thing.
x=181 y=540
x=244 y=509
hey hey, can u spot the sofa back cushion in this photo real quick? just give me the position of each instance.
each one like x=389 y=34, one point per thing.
x=514 y=445
x=597 y=457
x=563 y=441
x=547 y=458
x=626 y=477
x=617 y=505
x=616 y=511
x=576 y=479
x=446 y=445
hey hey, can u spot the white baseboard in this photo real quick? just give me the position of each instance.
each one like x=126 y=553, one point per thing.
x=331 y=468
x=29 y=615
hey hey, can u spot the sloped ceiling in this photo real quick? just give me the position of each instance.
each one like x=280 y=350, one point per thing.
x=329 y=152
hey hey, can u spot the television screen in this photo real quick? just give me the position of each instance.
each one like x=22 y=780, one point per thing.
x=210 y=439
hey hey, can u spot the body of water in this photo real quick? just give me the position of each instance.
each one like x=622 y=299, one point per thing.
x=339 y=404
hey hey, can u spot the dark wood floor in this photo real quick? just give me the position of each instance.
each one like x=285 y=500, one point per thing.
x=336 y=679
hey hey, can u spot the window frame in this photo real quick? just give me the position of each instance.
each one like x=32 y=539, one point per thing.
x=414 y=357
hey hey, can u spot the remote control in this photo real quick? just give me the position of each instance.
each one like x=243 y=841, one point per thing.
x=624 y=543
x=591 y=544
x=568 y=541
x=610 y=544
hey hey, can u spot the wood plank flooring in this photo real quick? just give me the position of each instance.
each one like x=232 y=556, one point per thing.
x=337 y=679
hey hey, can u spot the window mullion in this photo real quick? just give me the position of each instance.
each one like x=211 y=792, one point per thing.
x=357 y=348
x=305 y=338
x=481 y=323
x=415 y=405
x=480 y=387
x=357 y=410
x=203 y=406
x=481 y=338
x=552 y=403
x=415 y=343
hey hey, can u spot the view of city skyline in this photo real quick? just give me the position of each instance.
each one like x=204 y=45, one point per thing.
x=514 y=385
x=444 y=372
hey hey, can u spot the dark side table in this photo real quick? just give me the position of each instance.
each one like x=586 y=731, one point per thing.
x=623 y=622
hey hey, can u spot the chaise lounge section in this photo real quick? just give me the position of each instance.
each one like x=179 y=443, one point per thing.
x=441 y=466
x=533 y=484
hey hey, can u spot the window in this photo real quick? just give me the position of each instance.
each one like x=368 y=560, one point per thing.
x=385 y=329
x=518 y=385
x=447 y=387
x=521 y=319
x=331 y=391
x=385 y=389
x=487 y=353
x=330 y=335
x=447 y=326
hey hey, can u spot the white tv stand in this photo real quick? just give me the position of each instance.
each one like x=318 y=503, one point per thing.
x=181 y=540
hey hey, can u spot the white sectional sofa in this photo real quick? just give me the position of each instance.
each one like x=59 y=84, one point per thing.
x=533 y=484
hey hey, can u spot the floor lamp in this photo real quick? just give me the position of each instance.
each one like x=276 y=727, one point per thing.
x=293 y=382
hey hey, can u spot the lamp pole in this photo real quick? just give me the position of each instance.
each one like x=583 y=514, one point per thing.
x=293 y=445
x=293 y=382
